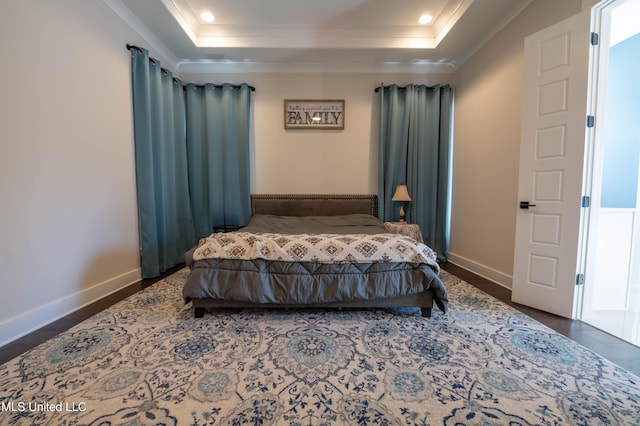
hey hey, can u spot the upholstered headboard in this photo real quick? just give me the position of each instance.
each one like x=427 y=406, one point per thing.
x=313 y=204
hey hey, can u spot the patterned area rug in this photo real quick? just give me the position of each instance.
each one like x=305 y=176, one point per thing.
x=147 y=361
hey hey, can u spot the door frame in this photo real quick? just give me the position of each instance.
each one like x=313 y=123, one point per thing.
x=595 y=100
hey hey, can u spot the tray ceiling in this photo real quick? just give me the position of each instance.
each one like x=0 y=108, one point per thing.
x=321 y=35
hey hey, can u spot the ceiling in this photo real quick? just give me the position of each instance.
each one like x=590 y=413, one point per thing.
x=317 y=35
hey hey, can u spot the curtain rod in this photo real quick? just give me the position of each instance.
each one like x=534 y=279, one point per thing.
x=377 y=89
x=217 y=86
x=175 y=80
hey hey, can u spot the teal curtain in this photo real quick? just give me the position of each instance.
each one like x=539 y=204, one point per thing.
x=166 y=226
x=415 y=128
x=218 y=144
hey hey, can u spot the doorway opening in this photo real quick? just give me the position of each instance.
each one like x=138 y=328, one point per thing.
x=611 y=294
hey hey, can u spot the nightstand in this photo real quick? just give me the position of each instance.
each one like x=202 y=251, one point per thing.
x=225 y=228
x=409 y=229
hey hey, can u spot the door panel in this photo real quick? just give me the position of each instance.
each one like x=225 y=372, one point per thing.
x=551 y=166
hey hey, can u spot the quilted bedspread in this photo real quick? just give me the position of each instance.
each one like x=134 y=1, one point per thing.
x=322 y=248
x=311 y=260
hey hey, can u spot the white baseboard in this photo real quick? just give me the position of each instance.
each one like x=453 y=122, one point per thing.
x=491 y=274
x=38 y=317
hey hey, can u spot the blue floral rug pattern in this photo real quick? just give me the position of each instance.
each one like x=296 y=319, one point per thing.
x=147 y=361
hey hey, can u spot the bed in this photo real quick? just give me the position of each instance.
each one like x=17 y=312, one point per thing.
x=312 y=251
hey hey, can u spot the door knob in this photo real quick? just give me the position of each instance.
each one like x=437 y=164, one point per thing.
x=526 y=205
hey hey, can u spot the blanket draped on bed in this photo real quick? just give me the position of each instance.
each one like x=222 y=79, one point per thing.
x=322 y=248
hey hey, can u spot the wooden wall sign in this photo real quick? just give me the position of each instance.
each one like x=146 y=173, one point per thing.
x=313 y=114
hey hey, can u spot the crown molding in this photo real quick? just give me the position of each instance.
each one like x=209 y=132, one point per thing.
x=136 y=25
x=228 y=67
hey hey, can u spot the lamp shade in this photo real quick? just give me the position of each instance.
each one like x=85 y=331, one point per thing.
x=402 y=194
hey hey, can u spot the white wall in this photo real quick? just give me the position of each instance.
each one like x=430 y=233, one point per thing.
x=487 y=144
x=316 y=161
x=68 y=222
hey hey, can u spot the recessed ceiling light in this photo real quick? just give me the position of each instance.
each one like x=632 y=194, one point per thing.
x=425 y=19
x=207 y=17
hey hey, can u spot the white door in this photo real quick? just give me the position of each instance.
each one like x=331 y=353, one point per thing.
x=556 y=62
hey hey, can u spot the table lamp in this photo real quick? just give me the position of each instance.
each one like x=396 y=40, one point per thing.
x=401 y=195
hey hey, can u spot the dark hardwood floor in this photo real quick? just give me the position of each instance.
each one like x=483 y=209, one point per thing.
x=612 y=348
